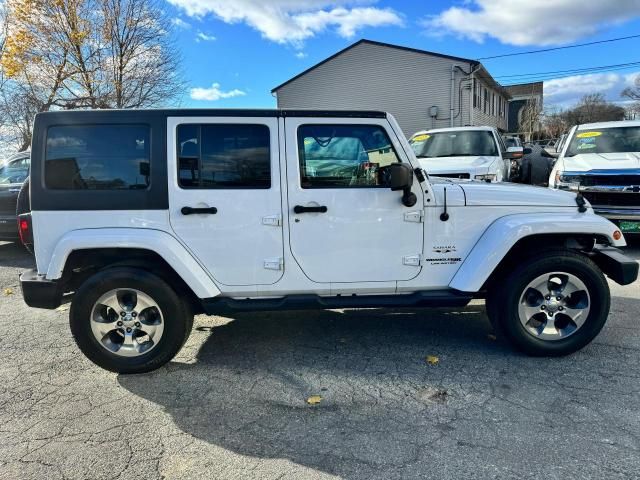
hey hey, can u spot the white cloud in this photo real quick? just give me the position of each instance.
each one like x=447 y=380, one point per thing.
x=301 y=55
x=200 y=36
x=178 y=22
x=214 y=93
x=293 y=21
x=530 y=22
x=566 y=92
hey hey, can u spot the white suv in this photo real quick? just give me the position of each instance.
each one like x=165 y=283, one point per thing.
x=476 y=153
x=144 y=218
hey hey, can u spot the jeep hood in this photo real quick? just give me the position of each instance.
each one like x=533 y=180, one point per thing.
x=601 y=161
x=504 y=194
x=473 y=165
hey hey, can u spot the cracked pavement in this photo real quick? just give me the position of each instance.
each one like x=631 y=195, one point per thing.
x=233 y=405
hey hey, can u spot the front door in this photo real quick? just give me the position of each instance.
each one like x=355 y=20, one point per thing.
x=224 y=195
x=344 y=225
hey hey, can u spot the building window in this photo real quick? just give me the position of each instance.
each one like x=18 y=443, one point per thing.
x=485 y=105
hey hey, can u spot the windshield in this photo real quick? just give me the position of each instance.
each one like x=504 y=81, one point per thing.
x=14 y=171
x=464 y=143
x=605 y=140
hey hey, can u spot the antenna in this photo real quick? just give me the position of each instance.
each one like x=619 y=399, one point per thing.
x=444 y=216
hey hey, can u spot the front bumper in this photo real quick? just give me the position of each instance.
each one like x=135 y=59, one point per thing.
x=38 y=292
x=615 y=265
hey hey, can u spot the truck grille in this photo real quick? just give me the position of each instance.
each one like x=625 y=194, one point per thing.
x=610 y=180
x=613 y=199
x=451 y=175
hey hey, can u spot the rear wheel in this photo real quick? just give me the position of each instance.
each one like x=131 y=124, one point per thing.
x=551 y=304
x=128 y=320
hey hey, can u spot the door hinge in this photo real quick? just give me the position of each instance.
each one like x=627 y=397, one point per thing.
x=417 y=216
x=412 y=260
x=274 y=263
x=272 y=220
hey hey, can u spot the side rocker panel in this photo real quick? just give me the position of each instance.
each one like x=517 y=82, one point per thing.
x=505 y=232
x=155 y=240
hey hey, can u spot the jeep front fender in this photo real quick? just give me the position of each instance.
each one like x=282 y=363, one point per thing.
x=165 y=245
x=506 y=231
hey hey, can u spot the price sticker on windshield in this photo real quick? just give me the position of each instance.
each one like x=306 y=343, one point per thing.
x=420 y=138
x=588 y=134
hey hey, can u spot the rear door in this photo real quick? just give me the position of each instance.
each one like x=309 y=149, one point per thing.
x=224 y=195
x=344 y=225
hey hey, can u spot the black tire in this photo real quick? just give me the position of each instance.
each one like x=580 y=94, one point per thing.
x=504 y=297
x=178 y=319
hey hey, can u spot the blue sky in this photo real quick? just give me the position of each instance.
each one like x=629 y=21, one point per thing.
x=236 y=51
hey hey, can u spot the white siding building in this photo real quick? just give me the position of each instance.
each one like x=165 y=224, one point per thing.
x=421 y=89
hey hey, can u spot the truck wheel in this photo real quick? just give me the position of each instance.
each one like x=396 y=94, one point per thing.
x=552 y=304
x=128 y=320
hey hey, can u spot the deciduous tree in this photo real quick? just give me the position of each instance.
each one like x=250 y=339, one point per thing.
x=62 y=54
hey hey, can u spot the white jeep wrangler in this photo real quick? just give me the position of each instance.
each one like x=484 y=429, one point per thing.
x=145 y=218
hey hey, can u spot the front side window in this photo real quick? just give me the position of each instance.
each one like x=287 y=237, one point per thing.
x=335 y=156
x=217 y=156
x=605 y=140
x=97 y=157
x=461 y=143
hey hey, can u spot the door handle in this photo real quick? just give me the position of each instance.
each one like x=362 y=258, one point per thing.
x=194 y=210
x=301 y=209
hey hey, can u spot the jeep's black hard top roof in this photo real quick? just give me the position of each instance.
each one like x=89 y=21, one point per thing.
x=209 y=112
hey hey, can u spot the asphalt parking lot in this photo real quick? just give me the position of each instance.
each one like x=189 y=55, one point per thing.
x=233 y=404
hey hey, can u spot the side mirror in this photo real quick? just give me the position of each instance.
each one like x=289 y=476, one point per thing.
x=513 y=153
x=400 y=177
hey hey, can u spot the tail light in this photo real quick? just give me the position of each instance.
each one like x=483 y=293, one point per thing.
x=25 y=230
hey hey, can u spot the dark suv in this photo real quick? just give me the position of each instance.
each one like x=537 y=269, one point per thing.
x=13 y=173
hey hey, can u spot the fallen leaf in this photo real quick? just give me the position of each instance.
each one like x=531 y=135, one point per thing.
x=314 y=399
x=8 y=291
x=491 y=337
x=432 y=360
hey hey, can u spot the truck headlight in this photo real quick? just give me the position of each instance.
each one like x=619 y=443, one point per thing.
x=488 y=177
x=567 y=182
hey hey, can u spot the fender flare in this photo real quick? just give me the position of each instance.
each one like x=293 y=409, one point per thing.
x=158 y=241
x=505 y=232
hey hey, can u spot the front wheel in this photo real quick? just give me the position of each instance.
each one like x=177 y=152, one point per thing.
x=552 y=304
x=128 y=320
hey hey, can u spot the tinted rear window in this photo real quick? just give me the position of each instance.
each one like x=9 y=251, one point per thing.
x=98 y=157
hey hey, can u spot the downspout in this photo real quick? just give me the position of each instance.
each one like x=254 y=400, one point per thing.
x=472 y=96
x=451 y=94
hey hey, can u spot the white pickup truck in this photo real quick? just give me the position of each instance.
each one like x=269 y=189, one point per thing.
x=142 y=219
x=476 y=153
x=602 y=162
